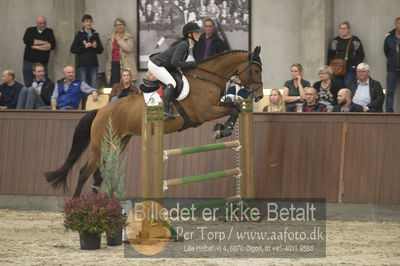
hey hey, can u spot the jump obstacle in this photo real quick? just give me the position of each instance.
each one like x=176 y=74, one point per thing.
x=154 y=155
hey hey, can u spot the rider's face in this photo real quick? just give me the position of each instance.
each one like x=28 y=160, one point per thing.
x=196 y=35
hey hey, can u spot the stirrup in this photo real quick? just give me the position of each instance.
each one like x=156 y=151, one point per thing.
x=169 y=115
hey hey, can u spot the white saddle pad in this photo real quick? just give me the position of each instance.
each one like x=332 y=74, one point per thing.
x=154 y=98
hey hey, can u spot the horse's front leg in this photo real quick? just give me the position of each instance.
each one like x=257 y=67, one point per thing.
x=225 y=130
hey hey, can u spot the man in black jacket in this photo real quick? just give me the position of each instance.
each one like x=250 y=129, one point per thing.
x=392 y=52
x=209 y=43
x=345 y=104
x=86 y=46
x=9 y=90
x=39 y=93
x=39 y=41
x=367 y=92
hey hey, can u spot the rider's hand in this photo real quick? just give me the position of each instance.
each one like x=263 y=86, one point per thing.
x=190 y=65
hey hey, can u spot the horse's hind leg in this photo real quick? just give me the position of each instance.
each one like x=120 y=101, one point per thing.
x=97 y=180
x=84 y=174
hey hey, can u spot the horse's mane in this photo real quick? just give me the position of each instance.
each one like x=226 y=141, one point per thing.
x=221 y=54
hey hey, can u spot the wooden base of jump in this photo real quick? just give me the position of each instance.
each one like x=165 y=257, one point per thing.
x=153 y=156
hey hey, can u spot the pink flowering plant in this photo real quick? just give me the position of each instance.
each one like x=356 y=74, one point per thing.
x=94 y=213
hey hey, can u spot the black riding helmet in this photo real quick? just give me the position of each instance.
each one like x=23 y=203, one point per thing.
x=190 y=27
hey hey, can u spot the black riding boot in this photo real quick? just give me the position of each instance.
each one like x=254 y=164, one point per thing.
x=167 y=96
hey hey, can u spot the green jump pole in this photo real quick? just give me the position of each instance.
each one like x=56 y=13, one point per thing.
x=201 y=148
x=214 y=203
x=200 y=178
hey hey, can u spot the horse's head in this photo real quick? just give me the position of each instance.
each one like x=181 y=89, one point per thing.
x=250 y=74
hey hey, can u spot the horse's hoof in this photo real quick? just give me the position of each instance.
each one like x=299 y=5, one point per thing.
x=216 y=135
x=226 y=133
x=218 y=127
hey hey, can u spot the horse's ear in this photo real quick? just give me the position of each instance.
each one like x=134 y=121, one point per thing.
x=257 y=50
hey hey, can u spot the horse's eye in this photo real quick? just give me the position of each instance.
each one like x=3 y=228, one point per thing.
x=257 y=71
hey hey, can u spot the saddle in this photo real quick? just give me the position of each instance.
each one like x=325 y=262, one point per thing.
x=149 y=86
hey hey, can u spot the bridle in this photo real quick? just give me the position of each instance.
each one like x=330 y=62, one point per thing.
x=246 y=85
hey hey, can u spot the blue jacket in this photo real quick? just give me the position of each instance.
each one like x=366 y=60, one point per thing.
x=392 y=55
x=73 y=95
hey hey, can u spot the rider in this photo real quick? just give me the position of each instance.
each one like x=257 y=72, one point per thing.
x=172 y=58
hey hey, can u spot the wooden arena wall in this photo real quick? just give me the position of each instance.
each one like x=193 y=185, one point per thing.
x=340 y=157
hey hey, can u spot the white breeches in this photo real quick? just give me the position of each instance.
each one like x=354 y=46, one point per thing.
x=161 y=73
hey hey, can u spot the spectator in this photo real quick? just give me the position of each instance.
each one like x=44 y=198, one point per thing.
x=235 y=92
x=209 y=43
x=345 y=104
x=9 y=90
x=39 y=41
x=327 y=87
x=39 y=93
x=120 y=53
x=68 y=91
x=124 y=88
x=276 y=104
x=367 y=91
x=311 y=104
x=293 y=89
x=337 y=49
x=392 y=52
x=86 y=46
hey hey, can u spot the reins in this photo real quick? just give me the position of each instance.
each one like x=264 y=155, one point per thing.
x=246 y=85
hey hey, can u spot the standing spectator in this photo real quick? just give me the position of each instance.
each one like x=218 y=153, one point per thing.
x=86 y=46
x=209 y=43
x=276 y=104
x=39 y=41
x=337 y=49
x=9 y=90
x=68 y=91
x=311 y=103
x=367 y=92
x=124 y=88
x=120 y=53
x=327 y=87
x=392 y=52
x=345 y=104
x=39 y=93
x=293 y=89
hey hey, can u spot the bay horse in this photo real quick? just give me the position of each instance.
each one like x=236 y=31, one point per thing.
x=207 y=84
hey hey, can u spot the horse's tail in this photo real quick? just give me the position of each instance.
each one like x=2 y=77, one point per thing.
x=80 y=142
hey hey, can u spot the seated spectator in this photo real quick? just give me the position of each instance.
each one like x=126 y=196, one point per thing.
x=367 y=92
x=39 y=94
x=9 y=90
x=311 y=104
x=345 y=104
x=124 y=88
x=68 y=91
x=235 y=92
x=293 y=89
x=327 y=87
x=276 y=103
